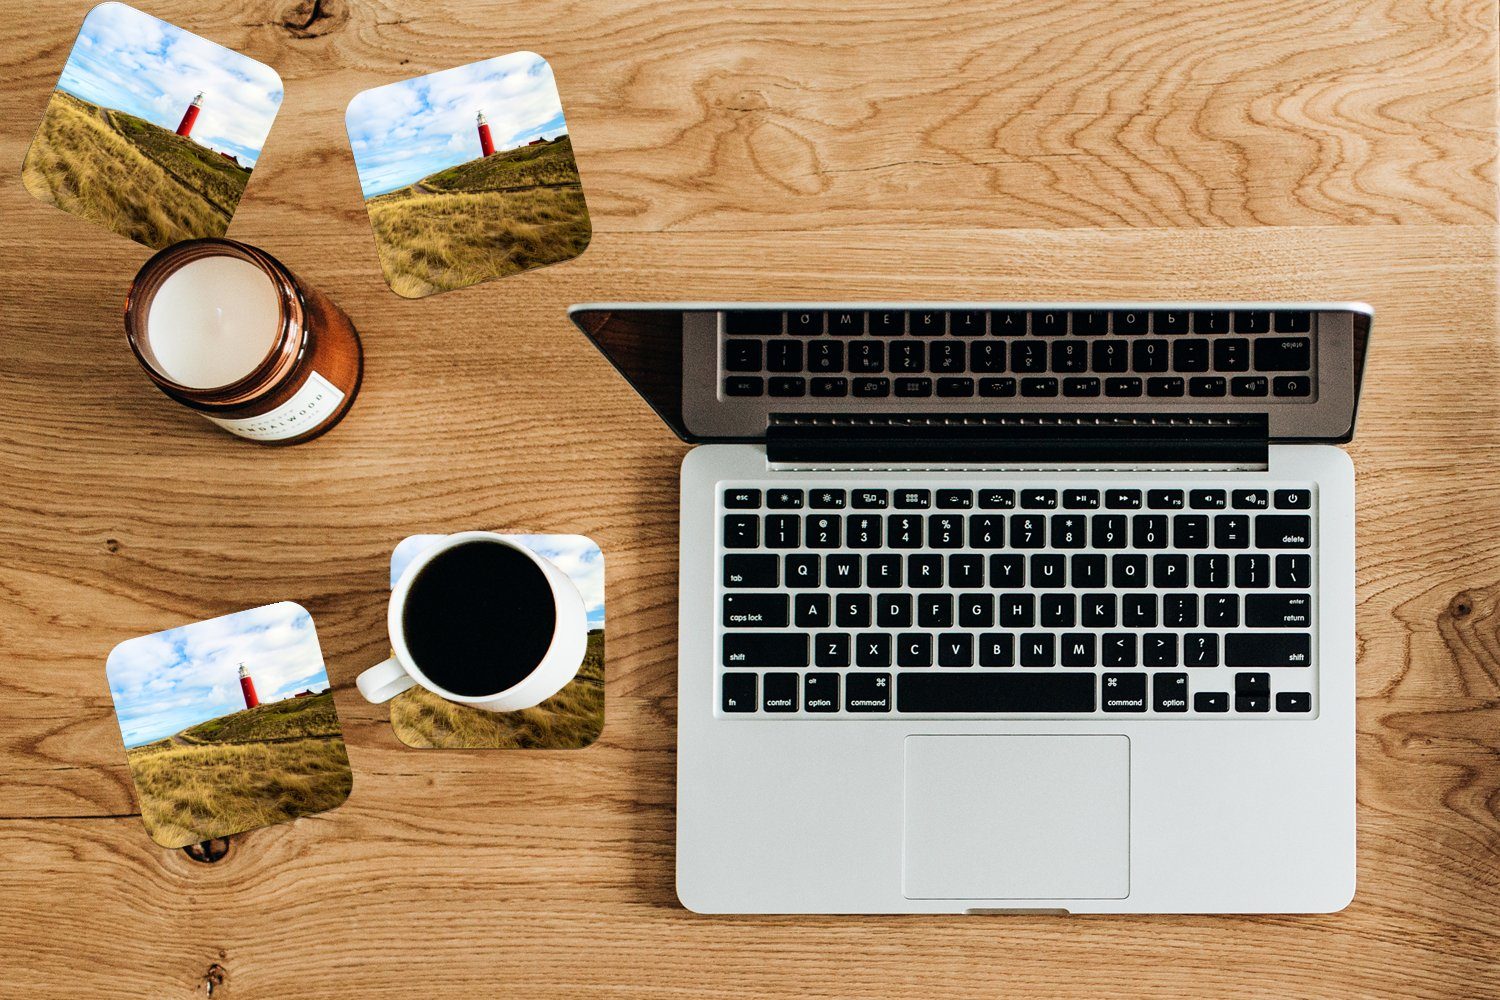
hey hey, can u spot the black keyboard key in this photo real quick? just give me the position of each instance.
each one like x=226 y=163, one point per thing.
x=741 y=499
x=843 y=571
x=945 y=531
x=1036 y=387
x=997 y=387
x=955 y=388
x=1080 y=499
x=825 y=356
x=1252 y=683
x=756 y=611
x=867 y=388
x=1126 y=386
x=1123 y=692
x=820 y=693
x=1110 y=356
x=1221 y=610
x=1017 y=610
x=1267 y=649
x=1058 y=610
x=1252 y=572
x=1138 y=610
x=1150 y=355
x=744 y=385
x=913 y=649
x=1070 y=356
x=872 y=649
x=1211 y=701
x=751 y=571
x=997 y=499
x=1283 y=531
x=781 y=499
x=831 y=649
x=1293 y=701
x=1232 y=354
x=910 y=387
x=1251 y=499
x=1292 y=385
x=753 y=323
x=965 y=571
x=783 y=531
x=913 y=499
x=1200 y=649
x=1109 y=531
x=1292 y=572
x=1278 y=611
x=1190 y=531
x=995 y=693
x=1209 y=385
x=1049 y=324
x=1212 y=322
x=886 y=324
x=1169 y=323
x=1081 y=386
x=868 y=692
x=1028 y=357
x=966 y=324
x=1149 y=531
x=784 y=356
x=955 y=499
x=803 y=572
x=824 y=531
x=1090 y=323
x=846 y=324
x=738 y=692
x=1207 y=499
x=1179 y=610
x=1294 y=499
x=872 y=499
x=765 y=649
x=997 y=649
x=1293 y=321
x=1128 y=572
x=907 y=357
x=1166 y=499
x=1283 y=354
x=867 y=357
x=779 y=692
x=987 y=357
x=1010 y=323
x=946 y=357
x=1169 y=692
x=741 y=531
x=1169 y=571
x=1130 y=321
x=1119 y=650
x=1099 y=610
x=884 y=570
x=1190 y=356
x=955 y=649
x=1249 y=385
x=1078 y=649
x=827 y=386
x=827 y=499
x=976 y=610
x=852 y=610
x=804 y=323
x=865 y=531
x=893 y=610
x=742 y=356
x=904 y=531
x=1038 y=499
x=1165 y=385
x=926 y=323
x=1122 y=499
x=786 y=386
x=1211 y=571
x=1159 y=649
x=1252 y=321
x=1069 y=531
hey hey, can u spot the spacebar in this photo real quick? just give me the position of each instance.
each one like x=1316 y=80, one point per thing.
x=995 y=692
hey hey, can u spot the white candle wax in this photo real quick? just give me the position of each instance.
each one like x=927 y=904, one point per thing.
x=213 y=321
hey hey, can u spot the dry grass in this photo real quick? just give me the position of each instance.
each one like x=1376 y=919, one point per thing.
x=570 y=719
x=241 y=771
x=128 y=175
x=482 y=220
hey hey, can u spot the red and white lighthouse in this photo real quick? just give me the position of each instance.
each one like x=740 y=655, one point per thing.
x=247 y=688
x=486 y=144
x=190 y=115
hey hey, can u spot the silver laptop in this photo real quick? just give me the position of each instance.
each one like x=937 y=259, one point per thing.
x=1010 y=607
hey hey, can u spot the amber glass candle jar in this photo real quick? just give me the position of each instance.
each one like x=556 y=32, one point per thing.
x=226 y=330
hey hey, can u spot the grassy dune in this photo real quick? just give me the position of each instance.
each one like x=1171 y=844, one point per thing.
x=129 y=175
x=483 y=219
x=243 y=770
x=570 y=719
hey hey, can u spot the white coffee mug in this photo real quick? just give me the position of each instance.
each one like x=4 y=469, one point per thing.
x=558 y=665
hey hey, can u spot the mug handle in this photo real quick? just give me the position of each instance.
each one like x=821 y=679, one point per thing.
x=383 y=681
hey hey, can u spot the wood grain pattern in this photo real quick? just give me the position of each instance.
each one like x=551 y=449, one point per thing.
x=1326 y=149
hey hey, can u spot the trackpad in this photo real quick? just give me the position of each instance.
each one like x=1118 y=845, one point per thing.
x=1017 y=817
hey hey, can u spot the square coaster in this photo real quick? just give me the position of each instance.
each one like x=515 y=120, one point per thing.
x=229 y=724
x=468 y=174
x=152 y=131
x=569 y=720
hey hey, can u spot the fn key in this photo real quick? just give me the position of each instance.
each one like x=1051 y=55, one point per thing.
x=738 y=692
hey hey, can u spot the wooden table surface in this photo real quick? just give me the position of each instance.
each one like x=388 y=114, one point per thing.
x=1337 y=149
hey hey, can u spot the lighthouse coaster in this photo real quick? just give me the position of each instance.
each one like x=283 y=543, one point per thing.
x=152 y=131
x=229 y=725
x=468 y=174
x=569 y=720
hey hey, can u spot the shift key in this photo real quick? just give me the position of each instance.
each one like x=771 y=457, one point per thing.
x=765 y=649
x=1267 y=649
x=756 y=611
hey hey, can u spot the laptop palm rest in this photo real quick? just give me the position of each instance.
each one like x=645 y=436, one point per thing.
x=1017 y=817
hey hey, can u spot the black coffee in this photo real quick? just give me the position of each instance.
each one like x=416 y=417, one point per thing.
x=479 y=618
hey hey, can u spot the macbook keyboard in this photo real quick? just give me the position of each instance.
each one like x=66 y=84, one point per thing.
x=1036 y=354
x=1161 y=603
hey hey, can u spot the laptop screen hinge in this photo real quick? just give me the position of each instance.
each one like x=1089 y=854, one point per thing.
x=1019 y=440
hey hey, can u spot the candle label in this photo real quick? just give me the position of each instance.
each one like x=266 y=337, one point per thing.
x=312 y=404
